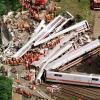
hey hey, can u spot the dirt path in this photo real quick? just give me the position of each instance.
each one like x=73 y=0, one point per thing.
x=16 y=96
x=96 y=24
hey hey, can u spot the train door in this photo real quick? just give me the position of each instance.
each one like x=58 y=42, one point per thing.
x=43 y=77
x=95 y=80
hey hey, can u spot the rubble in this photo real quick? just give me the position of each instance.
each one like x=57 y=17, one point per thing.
x=30 y=43
x=40 y=43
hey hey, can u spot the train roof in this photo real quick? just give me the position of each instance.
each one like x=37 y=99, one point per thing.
x=71 y=56
x=75 y=74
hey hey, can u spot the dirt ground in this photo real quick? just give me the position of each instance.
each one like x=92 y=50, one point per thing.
x=16 y=96
x=96 y=30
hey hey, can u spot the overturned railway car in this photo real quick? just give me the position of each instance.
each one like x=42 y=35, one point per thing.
x=72 y=78
x=80 y=52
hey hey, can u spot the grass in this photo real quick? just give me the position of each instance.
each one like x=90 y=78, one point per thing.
x=75 y=7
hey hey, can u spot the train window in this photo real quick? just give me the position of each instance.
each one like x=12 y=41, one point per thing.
x=59 y=75
x=95 y=79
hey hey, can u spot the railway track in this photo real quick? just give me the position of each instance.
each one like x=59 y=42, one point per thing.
x=85 y=93
x=70 y=93
x=73 y=91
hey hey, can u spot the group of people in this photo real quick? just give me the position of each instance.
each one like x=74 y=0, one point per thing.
x=26 y=59
x=52 y=43
x=35 y=8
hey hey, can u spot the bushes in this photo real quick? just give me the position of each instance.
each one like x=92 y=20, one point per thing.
x=2 y=8
x=78 y=18
x=5 y=88
x=7 y=5
x=14 y=5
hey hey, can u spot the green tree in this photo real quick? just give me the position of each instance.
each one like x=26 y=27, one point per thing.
x=14 y=5
x=78 y=18
x=5 y=88
x=2 y=8
x=7 y=5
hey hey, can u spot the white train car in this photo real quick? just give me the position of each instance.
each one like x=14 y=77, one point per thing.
x=82 y=26
x=72 y=78
x=51 y=26
x=66 y=58
x=60 y=52
x=56 y=48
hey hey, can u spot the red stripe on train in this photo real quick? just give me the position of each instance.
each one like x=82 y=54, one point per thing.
x=65 y=81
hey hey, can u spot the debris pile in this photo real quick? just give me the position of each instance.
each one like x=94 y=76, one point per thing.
x=43 y=42
x=20 y=26
x=39 y=9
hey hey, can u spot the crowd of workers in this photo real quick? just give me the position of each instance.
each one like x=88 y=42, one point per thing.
x=26 y=59
x=35 y=7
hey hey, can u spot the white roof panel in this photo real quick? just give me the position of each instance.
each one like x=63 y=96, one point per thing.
x=71 y=56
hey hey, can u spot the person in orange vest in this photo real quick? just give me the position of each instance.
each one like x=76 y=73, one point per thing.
x=36 y=15
x=48 y=17
x=31 y=10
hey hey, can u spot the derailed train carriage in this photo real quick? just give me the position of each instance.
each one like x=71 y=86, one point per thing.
x=75 y=78
x=72 y=78
x=87 y=50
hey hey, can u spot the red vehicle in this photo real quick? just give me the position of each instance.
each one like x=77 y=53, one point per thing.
x=40 y=2
x=95 y=4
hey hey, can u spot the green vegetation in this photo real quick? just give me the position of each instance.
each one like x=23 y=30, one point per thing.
x=3 y=7
x=7 y=5
x=73 y=98
x=79 y=8
x=5 y=88
x=90 y=65
x=14 y=5
x=79 y=18
x=99 y=37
